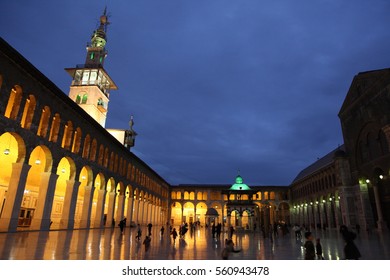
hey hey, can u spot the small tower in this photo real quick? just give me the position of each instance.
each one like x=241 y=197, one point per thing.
x=91 y=84
x=130 y=135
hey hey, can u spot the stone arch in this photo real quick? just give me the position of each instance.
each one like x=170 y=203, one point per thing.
x=85 y=179
x=110 y=202
x=201 y=209
x=37 y=182
x=98 y=200
x=14 y=101
x=128 y=202
x=66 y=171
x=188 y=212
x=41 y=156
x=120 y=191
x=12 y=145
x=12 y=154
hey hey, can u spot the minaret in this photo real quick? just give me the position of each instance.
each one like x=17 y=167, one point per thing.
x=91 y=84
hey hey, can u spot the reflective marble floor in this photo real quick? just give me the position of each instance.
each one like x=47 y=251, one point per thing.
x=110 y=244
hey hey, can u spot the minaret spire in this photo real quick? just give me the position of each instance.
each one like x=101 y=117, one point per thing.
x=96 y=51
x=91 y=84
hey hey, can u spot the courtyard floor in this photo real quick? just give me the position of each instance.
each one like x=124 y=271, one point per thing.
x=110 y=244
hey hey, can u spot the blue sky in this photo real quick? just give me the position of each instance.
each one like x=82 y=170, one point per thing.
x=215 y=86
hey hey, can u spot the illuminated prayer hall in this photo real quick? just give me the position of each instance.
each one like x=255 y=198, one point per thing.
x=62 y=169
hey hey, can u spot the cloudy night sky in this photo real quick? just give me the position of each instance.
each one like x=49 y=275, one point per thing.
x=215 y=86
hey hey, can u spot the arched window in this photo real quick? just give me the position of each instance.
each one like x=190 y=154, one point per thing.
x=55 y=128
x=92 y=155
x=85 y=98
x=44 y=122
x=106 y=158
x=101 y=154
x=87 y=146
x=67 y=137
x=76 y=141
x=28 y=112
x=78 y=99
x=112 y=161
x=13 y=105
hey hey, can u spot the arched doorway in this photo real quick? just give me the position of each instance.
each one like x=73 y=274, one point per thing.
x=176 y=213
x=188 y=212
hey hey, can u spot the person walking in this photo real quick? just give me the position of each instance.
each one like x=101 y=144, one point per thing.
x=162 y=230
x=174 y=235
x=319 y=249
x=351 y=252
x=139 y=233
x=147 y=242
x=229 y=248
x=218 y=230
x=231 y=231
x=121 y=225
x=150 y=229
x=213 y=229
x=309 y=246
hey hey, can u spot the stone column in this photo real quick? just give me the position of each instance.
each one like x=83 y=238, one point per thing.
x=69 y=208
x=129 y=214
x=120 y=209
x=17 y=183
x=337 y=210
x=41 y=219
x=87 y=205
x=155 y=214
x=99 y=216
x=141 y=210
x=381 y=223
x=136 y=210
x=182 y=213
x=110 y=208
x=223 y=215
x=322 y=214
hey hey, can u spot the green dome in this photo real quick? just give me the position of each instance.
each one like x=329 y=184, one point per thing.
x=239 y=185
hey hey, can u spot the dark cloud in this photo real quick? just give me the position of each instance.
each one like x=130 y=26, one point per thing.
x=216 y=86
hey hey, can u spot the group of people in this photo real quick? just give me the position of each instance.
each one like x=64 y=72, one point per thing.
x=351 y=252
x=216 y=230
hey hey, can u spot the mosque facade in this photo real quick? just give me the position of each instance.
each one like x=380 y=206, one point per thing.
x=62 y=169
